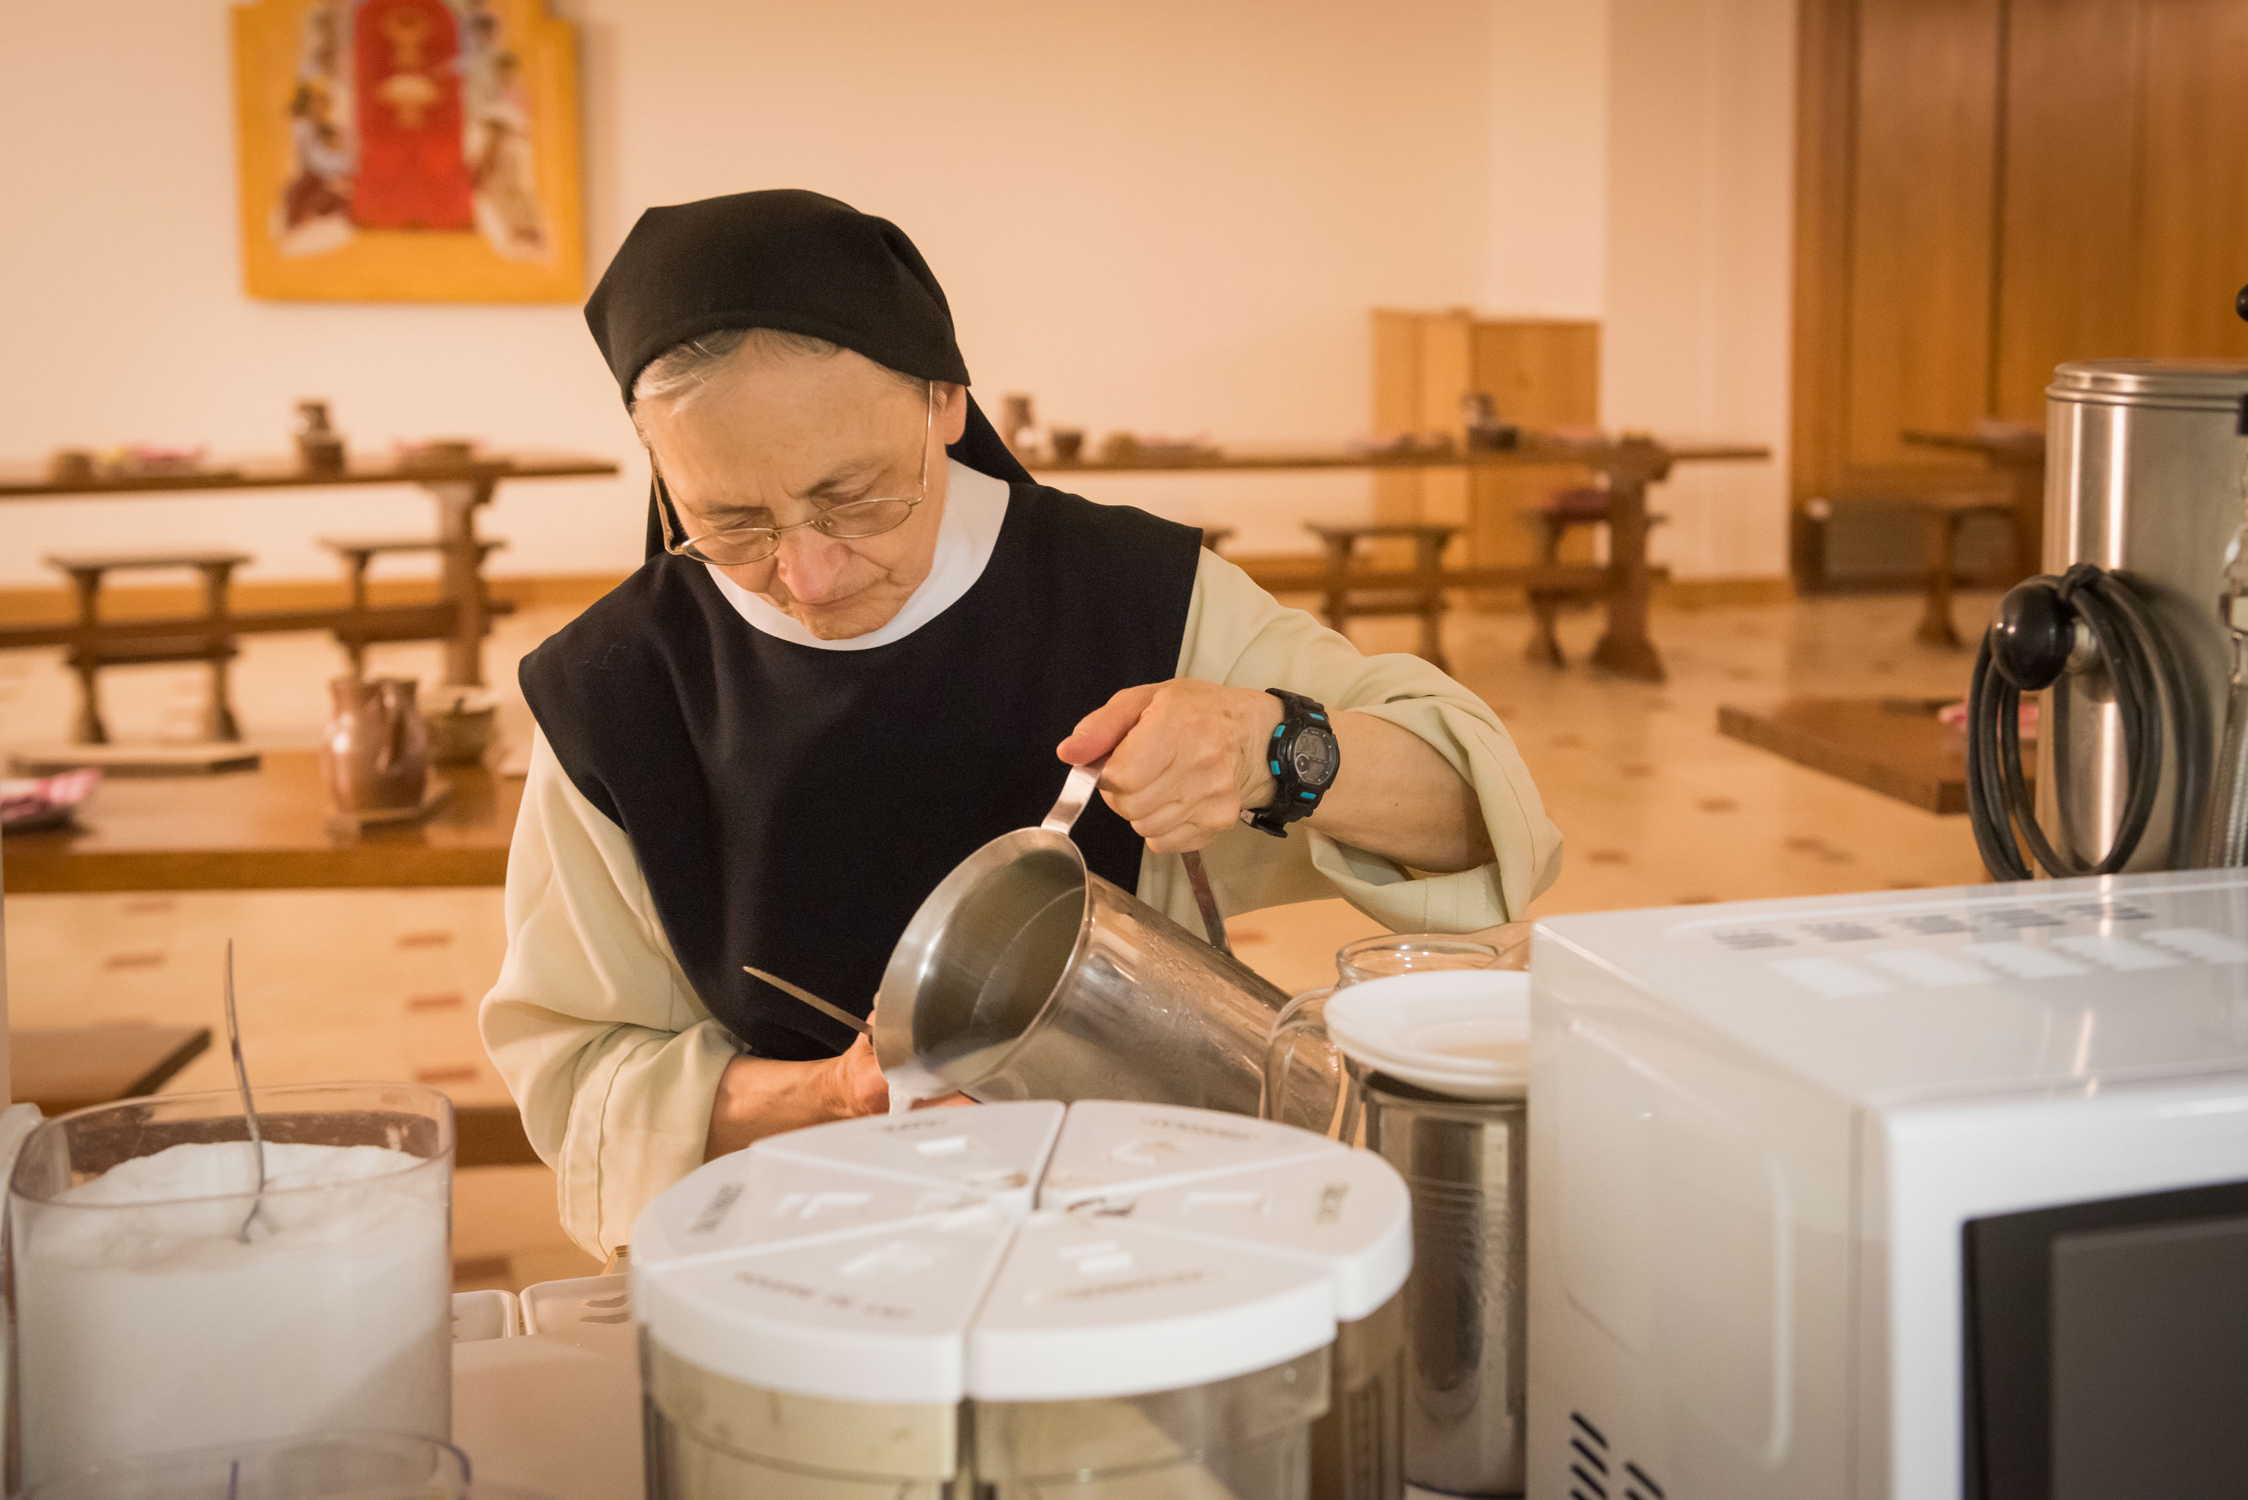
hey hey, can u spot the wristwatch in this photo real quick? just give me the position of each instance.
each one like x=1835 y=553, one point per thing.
x=1303 y=756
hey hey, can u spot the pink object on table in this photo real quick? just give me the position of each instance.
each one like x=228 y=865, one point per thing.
x=1954 y=716
x=44 y=802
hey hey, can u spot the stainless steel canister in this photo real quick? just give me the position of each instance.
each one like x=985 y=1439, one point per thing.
x=1466 y=1165
x=2143 y=475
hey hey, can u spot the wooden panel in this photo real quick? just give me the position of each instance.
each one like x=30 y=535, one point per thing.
x=1924 y=168
x=1826 y=64
x=1397 y=407
x=2069 y=271
x=1545 y=375
x=2193 y=251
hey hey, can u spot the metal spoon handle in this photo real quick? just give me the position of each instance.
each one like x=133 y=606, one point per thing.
x=826 y=1008
x=249 y=1105
x=1077 y=795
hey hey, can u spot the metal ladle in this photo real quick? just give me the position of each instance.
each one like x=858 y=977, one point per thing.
x=249 y=1106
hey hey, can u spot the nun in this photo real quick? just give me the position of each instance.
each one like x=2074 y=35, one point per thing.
x=865 y=641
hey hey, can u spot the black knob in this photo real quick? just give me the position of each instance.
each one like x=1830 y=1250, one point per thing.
x=2240 y=304
x=2032 y=637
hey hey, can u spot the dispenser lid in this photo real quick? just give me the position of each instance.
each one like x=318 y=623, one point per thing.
x=755 y=1196
x=877 y=1316
x=1346 y=1212
x=1114 y=1146
x=1171 y=1247
x=1087 y=1306
x=993 y=1150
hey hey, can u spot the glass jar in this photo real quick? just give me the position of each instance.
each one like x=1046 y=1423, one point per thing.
x=162 y=1303
x=335 y=1466
x=1307 y=1080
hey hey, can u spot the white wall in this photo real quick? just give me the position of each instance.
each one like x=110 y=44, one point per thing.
x=1171 y=217
x=1701 y=150
x=1548 y=122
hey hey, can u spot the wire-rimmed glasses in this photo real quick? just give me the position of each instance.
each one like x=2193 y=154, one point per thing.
x=734 y=546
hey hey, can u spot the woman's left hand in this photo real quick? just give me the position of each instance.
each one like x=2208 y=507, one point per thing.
x=1184 y=758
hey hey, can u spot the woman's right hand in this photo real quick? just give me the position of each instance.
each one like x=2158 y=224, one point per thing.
x=856 y=1079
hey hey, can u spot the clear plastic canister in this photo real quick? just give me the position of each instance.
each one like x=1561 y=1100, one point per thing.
x=1246 y=1438
x=161 y=1303
x=709 y=1435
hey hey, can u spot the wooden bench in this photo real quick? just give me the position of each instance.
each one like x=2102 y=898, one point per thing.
x=1347 y=591
x=1942 y=514
x=1584 y=505
x=97 y=644
x=361 y=626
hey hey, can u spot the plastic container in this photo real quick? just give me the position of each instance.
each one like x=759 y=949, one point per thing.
x=145 y=1323
x=488 y=1314
x=335 y=1466
x=1136 y=1300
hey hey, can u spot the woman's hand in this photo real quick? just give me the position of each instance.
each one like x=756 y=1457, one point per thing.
x=855 y=1082
x=1184 y=758
x=762 y=1096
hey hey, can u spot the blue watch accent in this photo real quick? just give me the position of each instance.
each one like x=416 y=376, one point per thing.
x=1305 y=759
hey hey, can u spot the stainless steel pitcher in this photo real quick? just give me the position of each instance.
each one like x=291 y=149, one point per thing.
x=1466 y=1164
x=1026 y=976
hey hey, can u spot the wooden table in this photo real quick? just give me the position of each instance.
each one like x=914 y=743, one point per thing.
x=461 y=616
x=2018 y=453
x=1631 y=463
x=62 y=1068
x=1894 y=746
x=264 y=829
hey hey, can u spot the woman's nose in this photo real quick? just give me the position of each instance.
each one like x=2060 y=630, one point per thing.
x=811 y=565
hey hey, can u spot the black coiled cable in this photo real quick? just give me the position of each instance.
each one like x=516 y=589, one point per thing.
x=2027 y=649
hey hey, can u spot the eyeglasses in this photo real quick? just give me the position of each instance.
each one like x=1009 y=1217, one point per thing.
x=852 y=520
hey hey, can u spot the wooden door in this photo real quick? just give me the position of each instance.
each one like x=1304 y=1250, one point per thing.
x=1989 y=188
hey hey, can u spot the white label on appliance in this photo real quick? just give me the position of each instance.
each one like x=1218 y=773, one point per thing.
x=1830 y=977
x=2025 y=960
x=1926 y=966
x=2117 y=952
x=2198 y=942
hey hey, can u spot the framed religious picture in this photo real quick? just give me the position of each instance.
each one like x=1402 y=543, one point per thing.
x=408 y=151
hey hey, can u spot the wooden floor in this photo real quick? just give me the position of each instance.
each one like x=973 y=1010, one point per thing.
x=1656 y=807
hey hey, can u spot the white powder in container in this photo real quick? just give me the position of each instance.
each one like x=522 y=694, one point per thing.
x=145 y=1324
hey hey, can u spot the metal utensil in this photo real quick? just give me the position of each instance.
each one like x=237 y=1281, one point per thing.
x=1024 y=975
x=1077 y=795
x=249 y=1106
x=827 y=1008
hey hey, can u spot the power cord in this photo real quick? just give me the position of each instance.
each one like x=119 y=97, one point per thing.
x=2027 y=649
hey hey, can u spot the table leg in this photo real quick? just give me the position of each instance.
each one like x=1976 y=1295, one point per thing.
x=1626 y=649
x=1430 y=557
x=1338 y=593
x=462 y=564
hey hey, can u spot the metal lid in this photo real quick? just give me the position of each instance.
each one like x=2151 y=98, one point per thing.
x=2215 y=384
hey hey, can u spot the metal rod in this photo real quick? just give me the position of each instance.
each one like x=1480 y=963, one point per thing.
x=826 y=1008
x=249 y=1105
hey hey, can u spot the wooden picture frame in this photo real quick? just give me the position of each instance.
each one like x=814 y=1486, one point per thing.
x=408 y=151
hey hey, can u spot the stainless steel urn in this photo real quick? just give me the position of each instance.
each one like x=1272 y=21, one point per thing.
x=2144 y=477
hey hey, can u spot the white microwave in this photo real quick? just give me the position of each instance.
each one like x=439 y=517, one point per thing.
x=1907 y=1196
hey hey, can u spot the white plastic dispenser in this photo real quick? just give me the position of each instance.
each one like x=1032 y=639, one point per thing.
x=1132 y=1300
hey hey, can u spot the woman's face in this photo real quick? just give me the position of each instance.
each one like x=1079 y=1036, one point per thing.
x=770 y=440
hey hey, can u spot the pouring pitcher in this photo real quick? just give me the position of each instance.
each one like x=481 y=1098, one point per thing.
x=1024 y=975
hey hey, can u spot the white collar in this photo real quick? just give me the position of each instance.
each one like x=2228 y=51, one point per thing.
x=975 y=507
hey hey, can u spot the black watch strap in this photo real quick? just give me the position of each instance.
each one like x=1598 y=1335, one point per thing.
x=1304 y=741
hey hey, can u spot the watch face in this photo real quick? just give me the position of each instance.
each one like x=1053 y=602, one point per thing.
x=1315 y=756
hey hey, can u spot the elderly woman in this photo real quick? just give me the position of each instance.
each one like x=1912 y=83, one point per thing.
x=865 y=642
